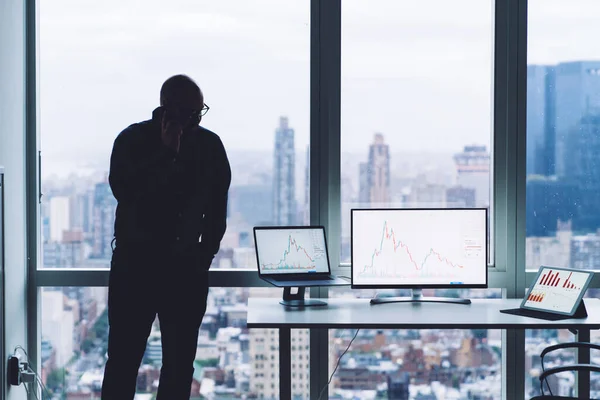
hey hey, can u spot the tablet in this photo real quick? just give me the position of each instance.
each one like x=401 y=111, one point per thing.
x=557 y=290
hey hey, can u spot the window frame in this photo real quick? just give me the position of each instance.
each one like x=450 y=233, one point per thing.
x=508 y=179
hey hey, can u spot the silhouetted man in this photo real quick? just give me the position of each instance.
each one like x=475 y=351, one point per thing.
x=170 y=177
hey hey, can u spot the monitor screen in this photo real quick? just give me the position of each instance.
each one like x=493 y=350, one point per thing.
x=291 y=250
x=557 y=290
x=419 y=248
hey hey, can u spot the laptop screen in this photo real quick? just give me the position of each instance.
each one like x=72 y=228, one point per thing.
x=286 y=250
x=557 y=290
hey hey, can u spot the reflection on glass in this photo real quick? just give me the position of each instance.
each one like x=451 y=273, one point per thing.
x=232 y=361
x=416 y=123
x=107 y=76
x=562 y=384
x=406 y=364
x=563 y=135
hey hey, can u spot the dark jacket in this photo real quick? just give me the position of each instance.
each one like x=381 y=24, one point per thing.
x=166 y=199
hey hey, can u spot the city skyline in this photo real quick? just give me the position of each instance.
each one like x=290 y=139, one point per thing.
x=418 y=73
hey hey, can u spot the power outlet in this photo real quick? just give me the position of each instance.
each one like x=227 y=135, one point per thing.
x=13 y=370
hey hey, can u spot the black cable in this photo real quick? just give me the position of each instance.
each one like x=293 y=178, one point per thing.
x=338 y=364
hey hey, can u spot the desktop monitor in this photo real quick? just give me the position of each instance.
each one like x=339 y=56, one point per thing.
x=419 y=248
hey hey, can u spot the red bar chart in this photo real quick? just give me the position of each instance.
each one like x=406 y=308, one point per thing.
x=550 y=279
x=556 y=289
x=536 y=297
x=568 y=284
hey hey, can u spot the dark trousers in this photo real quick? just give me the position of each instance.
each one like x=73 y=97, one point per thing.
x=144 y=283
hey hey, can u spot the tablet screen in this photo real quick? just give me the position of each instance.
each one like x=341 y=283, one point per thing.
x=557 y=290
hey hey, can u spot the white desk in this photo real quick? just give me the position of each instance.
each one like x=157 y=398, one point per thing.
x=358 y=313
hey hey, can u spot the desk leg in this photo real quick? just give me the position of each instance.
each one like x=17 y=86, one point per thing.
x=285 y=364
x=513 y=364
x=583 y=357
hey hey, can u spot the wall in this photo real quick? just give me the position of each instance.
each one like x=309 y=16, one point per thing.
x=12 y=150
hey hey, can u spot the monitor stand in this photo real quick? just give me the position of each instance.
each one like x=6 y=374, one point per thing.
x=417 y=297
x=297 y=299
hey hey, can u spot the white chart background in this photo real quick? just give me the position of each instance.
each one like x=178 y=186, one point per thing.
x=419 y=247
x=557 y=298
x=291 y=251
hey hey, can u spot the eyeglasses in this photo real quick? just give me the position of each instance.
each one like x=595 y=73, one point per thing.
x=195 y=115
x=186 y=116
x=204 y=110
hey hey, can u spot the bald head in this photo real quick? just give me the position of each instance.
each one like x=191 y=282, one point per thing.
x=181 y=91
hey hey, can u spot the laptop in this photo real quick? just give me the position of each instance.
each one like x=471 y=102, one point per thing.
x=557 y=293
x=294 y=256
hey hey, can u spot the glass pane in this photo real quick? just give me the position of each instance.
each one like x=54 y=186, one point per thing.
x=413 y=364
x=563 y=131
x=562 y=384
x=232 y=361
x=251 y=60
x=536 y=340
x=416 y=105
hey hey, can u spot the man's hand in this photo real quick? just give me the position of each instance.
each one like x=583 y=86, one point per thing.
x=171 y=133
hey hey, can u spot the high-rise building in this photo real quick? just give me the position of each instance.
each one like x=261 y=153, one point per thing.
x=548 y=201
x=284 y=179
x=253 y=203
x=398 y=386
x=264 y=358
x=540 y=120
x=583 y=169
x=59 y=217
x=550 y=250
x=364 y=189
x=427 y=195
x=374 y=175
x=585 y=251
x=105 y=206
x=306 y=210
x=577 y=96
x=68 y=253
x=473 y=171
x=457 y=196
x=82 y=209
x=564 y=116
x=58 y=325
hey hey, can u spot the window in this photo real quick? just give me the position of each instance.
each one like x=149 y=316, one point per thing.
x=416 y=105
x=416 y=119
x=432 y=363
x=563 y=126
x=252 y=63
x=562 y=384
x=74 y=331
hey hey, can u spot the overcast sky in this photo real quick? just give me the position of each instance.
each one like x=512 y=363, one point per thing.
x=419 y=71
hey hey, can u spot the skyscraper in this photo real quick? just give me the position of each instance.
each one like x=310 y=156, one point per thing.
x=540 y=120
x=473 y=171
x=374 y=175
x=306 y=210
x=253 y=203
x=583 y=169
x=105 y=206
x=60 y=220
x=577 y=96
x=564 y=108
x=284 y=180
